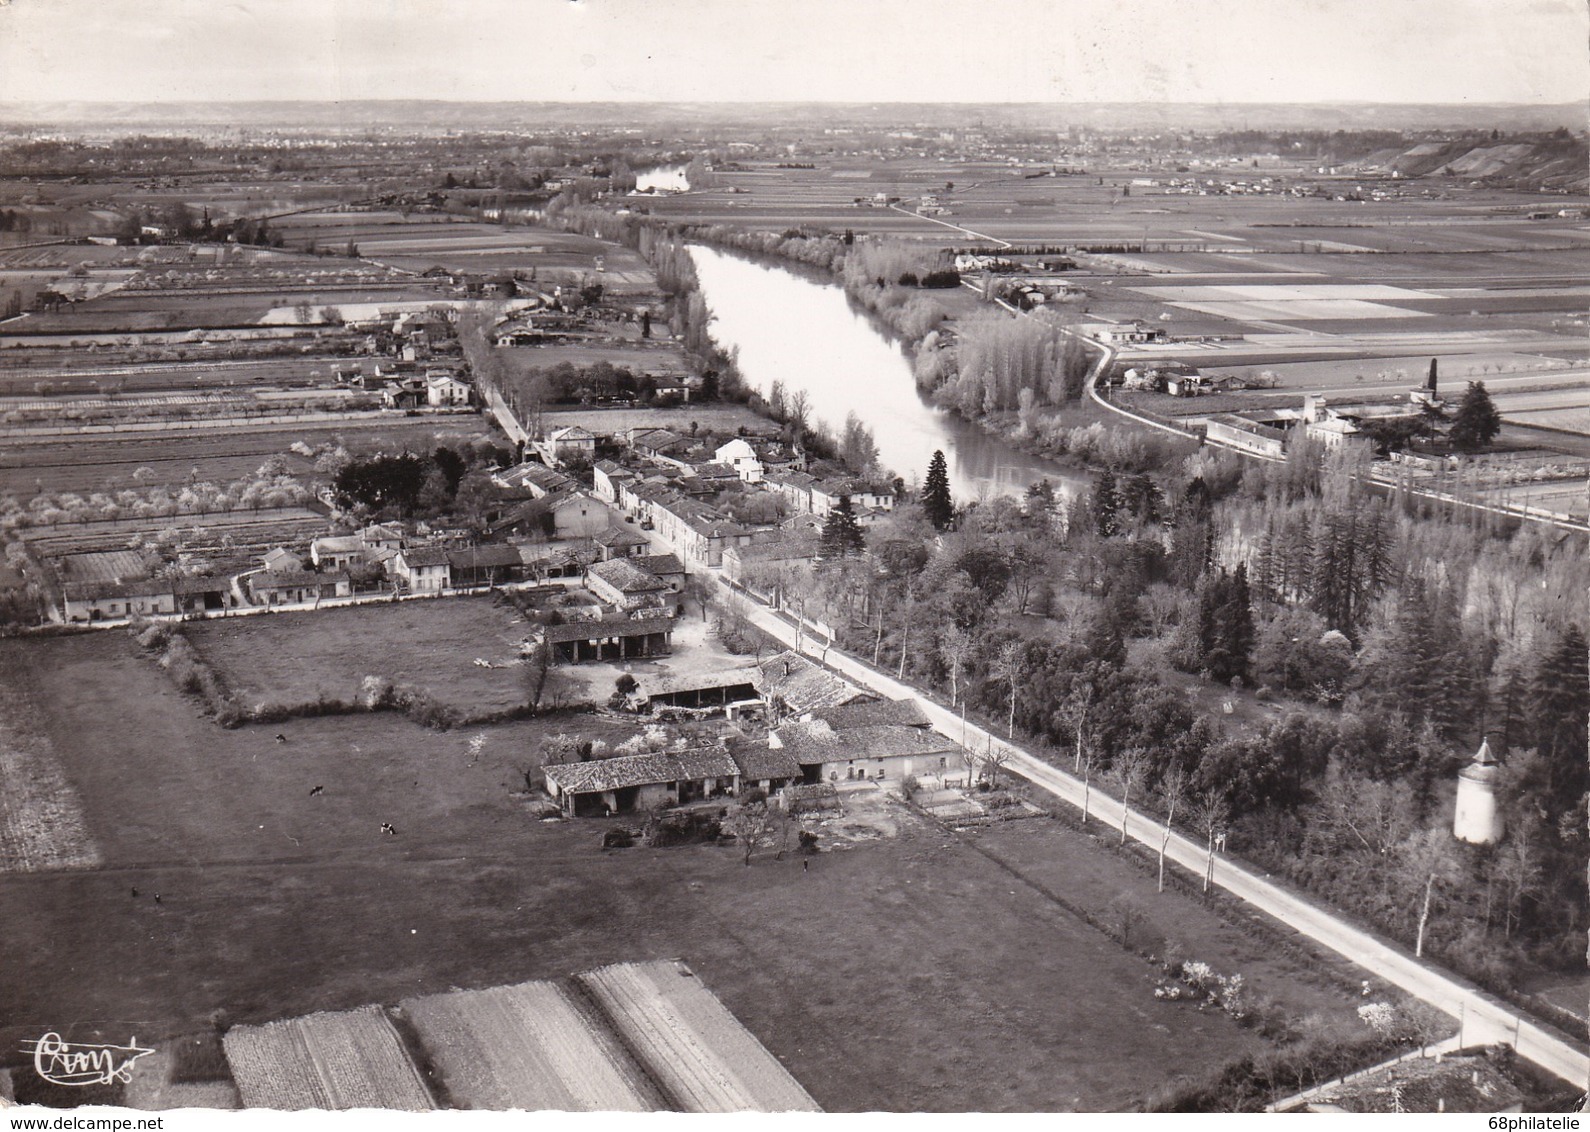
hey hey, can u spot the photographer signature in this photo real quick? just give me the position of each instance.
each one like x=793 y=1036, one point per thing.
x=74 y=1063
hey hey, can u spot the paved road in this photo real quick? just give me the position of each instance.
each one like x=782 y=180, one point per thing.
x=1484 y=1019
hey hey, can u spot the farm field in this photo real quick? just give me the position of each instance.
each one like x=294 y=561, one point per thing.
x=41 y=817
x=218 y=455
x=353 y=1059
x=297 y=658
x=531 y=1046
x=278 y=904
x=696 y=1048
x=1497 y=370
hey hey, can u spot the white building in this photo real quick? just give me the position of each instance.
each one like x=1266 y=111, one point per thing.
x=1476 y=818
x=740 y=456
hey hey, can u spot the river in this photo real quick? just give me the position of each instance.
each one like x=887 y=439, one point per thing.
x=807 y=335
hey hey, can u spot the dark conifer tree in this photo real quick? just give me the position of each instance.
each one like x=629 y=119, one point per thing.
x=1106 y=505
x=936 y=499
x=1476 y=422
x=841 y=533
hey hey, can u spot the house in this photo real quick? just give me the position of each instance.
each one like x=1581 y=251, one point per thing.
x=619 y=542
x=1336 y=433
x=1122 y=333
x=562 y=515
x=711 y=478
x=571 y=446
x=476 y=566
x=667 y=568
x=281 y=560
x=625 y=586
x=825 y=496
x=409 y=393
x=1233 y=430
x=339 y=552
x=101 y=601
x=794 y=686
x=613 y=638
x=536 y=480
x=607 y=476
x=657 y=442
x=759 y=565
x=763 y=766
x=424 y=569
x=283 y=587
x=445 y=390
x=641 y=782
x=888 y=753
x=794 y=486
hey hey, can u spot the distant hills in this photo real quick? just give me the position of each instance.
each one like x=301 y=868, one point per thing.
x=1106 y=116
x=1556 y=163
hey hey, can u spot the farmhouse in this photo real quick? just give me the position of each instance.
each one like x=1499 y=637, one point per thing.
x=445 y=390
x=485 y=565
x=667 y=567
x=763 y=766
x=641 y=782
x=289 y=587
x=895 y=713
x=625 y=586
x=338 y=552
x=793 y=685
x=880 y=752
x=569 y=446
x=536 y=480
x=99 y=601
x=617 y=542
x=758 y=566
x=424 y=569
x=563 y=515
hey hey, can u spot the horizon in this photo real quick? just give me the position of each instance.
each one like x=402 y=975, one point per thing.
x=1043 y=52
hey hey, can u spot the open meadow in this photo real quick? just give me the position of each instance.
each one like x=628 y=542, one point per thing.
x=278 y=902
x=431 y=646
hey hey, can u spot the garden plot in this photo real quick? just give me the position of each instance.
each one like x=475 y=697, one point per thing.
x=352 y=1059
x=528 y=1047
x=698 y=1051
x=41 y=818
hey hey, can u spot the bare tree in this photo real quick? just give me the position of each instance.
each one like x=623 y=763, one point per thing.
x=1009 y=665
x=1172 y=789
x=955 y=649
x=1131 y=767
x=1213 y=812
x=756 y=825
x=993 y=761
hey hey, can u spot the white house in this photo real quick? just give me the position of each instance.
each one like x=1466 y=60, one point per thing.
x=443 y=390
x=740 y=456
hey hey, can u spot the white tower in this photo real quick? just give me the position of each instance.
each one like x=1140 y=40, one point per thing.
x=1476 y=819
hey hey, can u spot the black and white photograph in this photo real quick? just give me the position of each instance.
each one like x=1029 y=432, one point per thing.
x=903 y=557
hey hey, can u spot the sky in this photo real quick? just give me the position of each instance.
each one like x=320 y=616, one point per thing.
x=1233 y=51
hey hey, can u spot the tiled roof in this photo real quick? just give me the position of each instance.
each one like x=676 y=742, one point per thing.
x=483 y=557
x=757 y=761
x=618 y=536
x=293 y=579
x=816 y=742
x=627 y=578
x=660 y=564
x=612 y=627
x=802 y=685
x=642 y=770
x=425 y=556
x=903 y=713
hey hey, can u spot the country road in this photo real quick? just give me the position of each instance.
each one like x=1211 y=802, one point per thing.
x=1484 y=1019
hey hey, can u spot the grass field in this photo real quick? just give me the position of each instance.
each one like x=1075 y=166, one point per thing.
x=295 y=658
x=276 y=904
